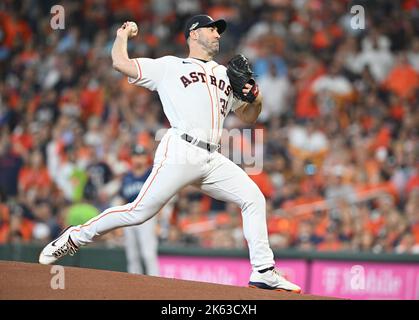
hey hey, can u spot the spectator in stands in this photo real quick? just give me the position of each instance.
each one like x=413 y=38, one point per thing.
x=34 y=176
x=376 y=55
x=332 y=89
x=308 y=142
x=82 y=211
x=339 y=189
x=45 y=224
x=306 y=238
x=402 y=79
x=276 y=90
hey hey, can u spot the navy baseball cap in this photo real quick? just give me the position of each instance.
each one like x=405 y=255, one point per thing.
x=204 y=21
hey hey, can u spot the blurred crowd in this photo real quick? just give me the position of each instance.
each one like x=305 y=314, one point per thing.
x=340 y=119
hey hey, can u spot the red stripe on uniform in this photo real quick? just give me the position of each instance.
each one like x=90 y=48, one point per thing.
x=218 y=106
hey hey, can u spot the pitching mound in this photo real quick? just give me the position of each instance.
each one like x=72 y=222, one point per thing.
x=34 y=281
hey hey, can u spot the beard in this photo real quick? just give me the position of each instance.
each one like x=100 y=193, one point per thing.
x=212 y=48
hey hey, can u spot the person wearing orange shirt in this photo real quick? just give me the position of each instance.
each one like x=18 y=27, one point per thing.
x=264 y=182
x=403 y=80
x=34 y=175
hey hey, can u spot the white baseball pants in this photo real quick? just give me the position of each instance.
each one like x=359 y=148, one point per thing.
x=178 y=163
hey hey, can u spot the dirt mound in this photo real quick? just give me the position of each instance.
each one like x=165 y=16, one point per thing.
x=34 y=281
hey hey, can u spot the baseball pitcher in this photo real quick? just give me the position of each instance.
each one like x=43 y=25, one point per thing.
x=197 y=94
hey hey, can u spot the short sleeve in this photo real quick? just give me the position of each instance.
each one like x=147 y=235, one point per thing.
x=149 y=72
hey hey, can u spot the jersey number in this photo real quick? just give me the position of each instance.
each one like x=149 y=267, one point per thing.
x=223 y=107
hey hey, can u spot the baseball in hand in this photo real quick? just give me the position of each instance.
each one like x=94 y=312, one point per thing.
x=134 y=29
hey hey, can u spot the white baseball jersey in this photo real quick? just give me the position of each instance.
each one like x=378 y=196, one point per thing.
x=196 y=98
x=200 y=114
